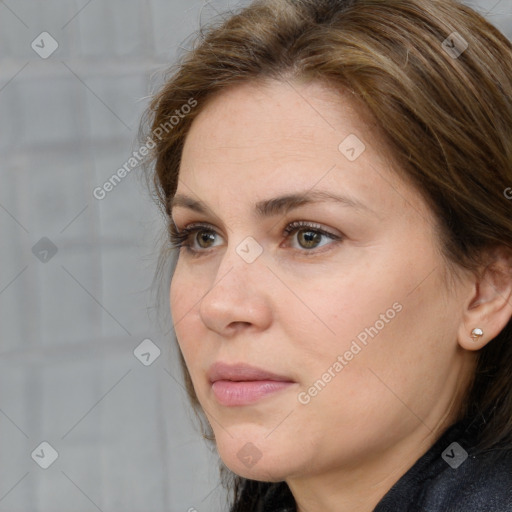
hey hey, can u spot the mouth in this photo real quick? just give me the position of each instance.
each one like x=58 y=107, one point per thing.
x=242 y=384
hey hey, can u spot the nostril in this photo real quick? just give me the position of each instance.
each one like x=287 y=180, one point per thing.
x=239 y=324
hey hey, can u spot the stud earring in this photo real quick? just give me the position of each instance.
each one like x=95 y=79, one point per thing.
x=476 y=333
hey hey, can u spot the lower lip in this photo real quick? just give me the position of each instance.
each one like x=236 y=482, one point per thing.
x=232 y=393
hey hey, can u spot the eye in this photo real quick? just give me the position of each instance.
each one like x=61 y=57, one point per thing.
x=309 y=235
x=200 y=234
x=199 y=238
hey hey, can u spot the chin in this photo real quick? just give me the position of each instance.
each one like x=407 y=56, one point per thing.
x=250 y=460
x=260 y=472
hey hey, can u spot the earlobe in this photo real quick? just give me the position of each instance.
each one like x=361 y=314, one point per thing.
x=489 y=309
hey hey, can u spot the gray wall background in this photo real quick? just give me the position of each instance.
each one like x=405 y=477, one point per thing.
x=75 y=272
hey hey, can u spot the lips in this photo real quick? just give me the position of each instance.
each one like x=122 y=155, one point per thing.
x=242 y=372
x=244 y=385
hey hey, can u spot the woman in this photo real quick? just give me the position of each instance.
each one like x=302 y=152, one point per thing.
x=334 y=175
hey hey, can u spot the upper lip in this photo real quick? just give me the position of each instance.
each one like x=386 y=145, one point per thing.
x=241 y=372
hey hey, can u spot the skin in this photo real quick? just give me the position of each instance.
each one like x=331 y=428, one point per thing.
x=295 y=309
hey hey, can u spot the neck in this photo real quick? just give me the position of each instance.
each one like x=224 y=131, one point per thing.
x=360 y=487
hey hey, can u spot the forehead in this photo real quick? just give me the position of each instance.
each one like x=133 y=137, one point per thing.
x=286 y=136
x=255 y=119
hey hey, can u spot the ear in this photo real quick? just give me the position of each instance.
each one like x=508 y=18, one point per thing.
x=489 y=306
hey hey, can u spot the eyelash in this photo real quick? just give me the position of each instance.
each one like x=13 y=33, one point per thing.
x=181 y=238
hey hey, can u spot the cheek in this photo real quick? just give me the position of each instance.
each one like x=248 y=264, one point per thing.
x=184 y=292
x=341 y=308
x=182 y=300
x=369 y=318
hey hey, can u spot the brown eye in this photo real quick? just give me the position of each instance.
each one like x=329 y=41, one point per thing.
x=204 y=238
x=309 y=239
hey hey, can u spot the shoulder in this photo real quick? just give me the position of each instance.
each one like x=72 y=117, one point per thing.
x=481 y=483
x=452 y=476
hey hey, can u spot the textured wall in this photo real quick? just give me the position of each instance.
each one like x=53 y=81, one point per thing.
x=76 y=270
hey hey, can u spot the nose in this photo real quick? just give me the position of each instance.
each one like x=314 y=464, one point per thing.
x=239 y=297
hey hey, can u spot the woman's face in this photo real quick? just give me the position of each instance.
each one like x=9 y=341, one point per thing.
x=344 y=299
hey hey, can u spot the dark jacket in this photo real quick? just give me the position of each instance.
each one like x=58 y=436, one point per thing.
x=449 y=477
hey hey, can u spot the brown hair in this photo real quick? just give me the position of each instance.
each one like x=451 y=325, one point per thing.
x=447 y=118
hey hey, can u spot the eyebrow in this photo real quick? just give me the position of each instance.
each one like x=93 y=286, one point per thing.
x=277 y=205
